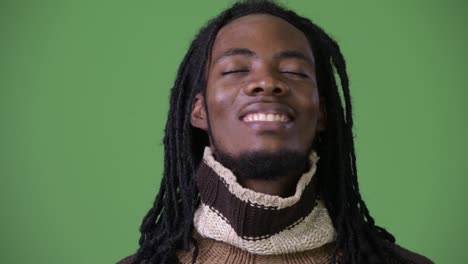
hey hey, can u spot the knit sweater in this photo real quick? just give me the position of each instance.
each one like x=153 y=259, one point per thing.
x=235 y=225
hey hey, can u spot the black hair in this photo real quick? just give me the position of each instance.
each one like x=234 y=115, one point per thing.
x=168 y=225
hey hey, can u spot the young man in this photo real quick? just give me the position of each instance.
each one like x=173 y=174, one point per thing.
x=259 y=153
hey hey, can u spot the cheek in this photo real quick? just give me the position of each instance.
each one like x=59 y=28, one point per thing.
x=221 y=99
x=310 y=118
x=310 y=102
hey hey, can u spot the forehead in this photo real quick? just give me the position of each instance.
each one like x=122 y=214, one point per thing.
x=264 y=34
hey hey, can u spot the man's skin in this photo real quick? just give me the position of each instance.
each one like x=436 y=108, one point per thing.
x=261 y=64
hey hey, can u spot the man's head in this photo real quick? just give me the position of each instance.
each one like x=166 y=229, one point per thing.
x=257 y=60
x=261 y=103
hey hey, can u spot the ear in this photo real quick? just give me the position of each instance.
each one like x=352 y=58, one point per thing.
x=198 y=117
x=322 y=118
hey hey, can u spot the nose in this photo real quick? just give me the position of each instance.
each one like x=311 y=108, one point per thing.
x=267 y=84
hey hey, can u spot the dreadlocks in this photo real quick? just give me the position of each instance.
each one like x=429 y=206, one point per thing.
x=168 y=224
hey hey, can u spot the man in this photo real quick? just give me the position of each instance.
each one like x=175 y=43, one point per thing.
x=259 y=156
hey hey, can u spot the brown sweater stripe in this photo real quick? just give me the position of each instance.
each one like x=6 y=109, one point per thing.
x=252 y=221
x=303 y=240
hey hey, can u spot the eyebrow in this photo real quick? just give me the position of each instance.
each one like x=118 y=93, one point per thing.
x=236 y=51
x=294 y=54
x=287 y=54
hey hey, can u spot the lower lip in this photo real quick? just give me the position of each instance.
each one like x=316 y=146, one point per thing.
x=268 y=126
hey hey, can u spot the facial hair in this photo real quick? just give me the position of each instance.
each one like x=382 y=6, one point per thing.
x=261 y=164
x=264 y=165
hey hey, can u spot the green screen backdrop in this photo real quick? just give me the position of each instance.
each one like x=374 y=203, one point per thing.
x=84 y=89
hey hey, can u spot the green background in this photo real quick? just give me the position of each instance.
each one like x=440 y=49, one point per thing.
x=84 y=91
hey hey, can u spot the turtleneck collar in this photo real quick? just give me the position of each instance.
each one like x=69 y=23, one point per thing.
x=260 y=223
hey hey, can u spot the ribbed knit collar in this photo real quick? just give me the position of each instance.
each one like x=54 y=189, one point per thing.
x=256 y=222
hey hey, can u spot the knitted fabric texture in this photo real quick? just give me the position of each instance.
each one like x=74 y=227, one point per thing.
x=215 y=252
x=260 y=223
x=234 y=225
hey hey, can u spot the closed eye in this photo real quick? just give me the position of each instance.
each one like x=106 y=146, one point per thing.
x=300 y=74
x=234 y=71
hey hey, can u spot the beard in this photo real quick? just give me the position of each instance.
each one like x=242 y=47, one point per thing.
x=264 y=165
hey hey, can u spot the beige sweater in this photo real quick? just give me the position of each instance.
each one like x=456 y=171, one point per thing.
x=234 y=225
x=215 y=252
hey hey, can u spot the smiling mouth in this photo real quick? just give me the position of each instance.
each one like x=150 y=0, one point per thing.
x=266 y=117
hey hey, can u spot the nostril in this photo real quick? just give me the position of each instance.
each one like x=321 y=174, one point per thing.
x=257 y=90
x=277 y=90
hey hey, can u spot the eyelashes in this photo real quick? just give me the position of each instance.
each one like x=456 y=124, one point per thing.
x=294 y=73
x=300 y=74
x=233 y=72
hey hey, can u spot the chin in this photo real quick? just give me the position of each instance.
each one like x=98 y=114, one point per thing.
x=264 y=162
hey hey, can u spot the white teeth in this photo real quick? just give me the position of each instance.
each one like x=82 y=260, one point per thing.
x=261 y=117
x=268 y=117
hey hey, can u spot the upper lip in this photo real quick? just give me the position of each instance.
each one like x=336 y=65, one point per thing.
x=267 y=107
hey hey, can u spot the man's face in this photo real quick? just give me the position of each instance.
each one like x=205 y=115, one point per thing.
x=261 y=93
